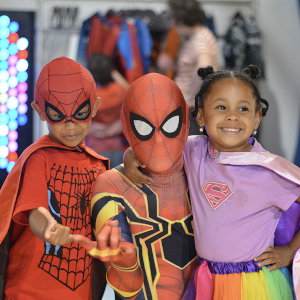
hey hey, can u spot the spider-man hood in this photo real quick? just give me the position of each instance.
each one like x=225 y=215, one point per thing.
x=155 y=121
x=66 y=87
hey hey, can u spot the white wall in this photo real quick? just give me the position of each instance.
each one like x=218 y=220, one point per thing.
x=279 y=23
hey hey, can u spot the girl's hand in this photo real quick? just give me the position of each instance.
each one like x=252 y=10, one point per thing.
x=54 y=233
x=131 y=166
x=278 y=257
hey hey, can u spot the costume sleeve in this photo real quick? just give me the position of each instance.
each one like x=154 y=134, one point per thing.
x=123 y=224
x=126 y=280
x=132 y=279
x=33 y=190
x=283 y=192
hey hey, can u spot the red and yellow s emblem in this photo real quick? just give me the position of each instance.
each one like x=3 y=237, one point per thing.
x=216 y=193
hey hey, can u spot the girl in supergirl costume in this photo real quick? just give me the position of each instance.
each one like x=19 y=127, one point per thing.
x=238 y=192
x=241 y=195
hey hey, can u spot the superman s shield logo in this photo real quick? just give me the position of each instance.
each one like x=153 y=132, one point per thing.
x=216 y=193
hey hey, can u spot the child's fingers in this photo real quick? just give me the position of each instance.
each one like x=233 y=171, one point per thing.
x=138 y=178
x=111 y=223
x=267 y=254
x=83 y=241
x=61 y=235
x=114 y=239
x=266 y=262
x=274 y=267
x=127 y=248
x=103 y=238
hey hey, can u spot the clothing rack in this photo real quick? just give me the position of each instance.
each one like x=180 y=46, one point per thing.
x=213 y=2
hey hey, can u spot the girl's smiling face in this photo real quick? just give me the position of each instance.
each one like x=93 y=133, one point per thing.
x=230 y=116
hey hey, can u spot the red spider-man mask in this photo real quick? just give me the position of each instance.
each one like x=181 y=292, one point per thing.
x=155 y=121
x=66 y=87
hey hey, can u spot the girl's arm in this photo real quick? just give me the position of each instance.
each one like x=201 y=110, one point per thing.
x=132 y=171
x=280 y=257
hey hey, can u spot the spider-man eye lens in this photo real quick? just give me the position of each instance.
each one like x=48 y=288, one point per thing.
x=172 y=124
x=141 y=127
x=83 y=111
x=53 y=113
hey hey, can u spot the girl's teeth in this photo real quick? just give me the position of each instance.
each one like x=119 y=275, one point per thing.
x=231 y=129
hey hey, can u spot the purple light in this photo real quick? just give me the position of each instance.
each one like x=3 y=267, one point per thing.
x=22 y=87
x=12 y=146
x=12 y=135
x=12 y=92
x=12 y=60
x=22 y=109
x=12 y=71
x=22 y=98
x=3 y=108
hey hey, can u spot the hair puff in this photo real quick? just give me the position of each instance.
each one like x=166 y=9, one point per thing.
x=204 y=72
x=252 y=71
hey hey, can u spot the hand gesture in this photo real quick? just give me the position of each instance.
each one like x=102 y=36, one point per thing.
x=278 y=257
x=110 y=246
x=131 y=166
x=124 y=275
x=54 y=233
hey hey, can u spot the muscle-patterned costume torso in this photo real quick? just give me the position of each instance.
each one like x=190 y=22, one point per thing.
x=160 y=221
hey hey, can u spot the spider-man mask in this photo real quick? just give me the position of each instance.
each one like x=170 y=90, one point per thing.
x=66 y=87
x=155 y=121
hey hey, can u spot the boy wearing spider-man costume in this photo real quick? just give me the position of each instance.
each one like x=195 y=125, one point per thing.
x=47 y=194
x=157 y=217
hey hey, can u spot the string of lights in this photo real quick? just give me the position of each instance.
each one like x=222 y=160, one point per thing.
x=13 y=89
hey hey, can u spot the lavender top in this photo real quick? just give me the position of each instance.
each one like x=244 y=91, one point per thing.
x=236 y=208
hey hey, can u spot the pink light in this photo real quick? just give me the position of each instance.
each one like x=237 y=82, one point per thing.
x=12 y=135
x=12 y=60
x=3 y=108
x=22 y=87
x=12 y=71
x=12 y=92
x=12 y=146
x=22 y=98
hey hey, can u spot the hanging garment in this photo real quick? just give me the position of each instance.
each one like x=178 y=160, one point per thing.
x=128 y=42
x=235 y=47
x=132 y=35
x=103 y=36
x=243 y=44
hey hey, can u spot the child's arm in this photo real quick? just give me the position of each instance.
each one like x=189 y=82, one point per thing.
x=124 y=274
x=280 y=257
x=131 y=166
x=117 y=77
x=44 y=226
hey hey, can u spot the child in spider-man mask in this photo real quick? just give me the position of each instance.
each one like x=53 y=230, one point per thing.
x=47 y=194
x=157 y=217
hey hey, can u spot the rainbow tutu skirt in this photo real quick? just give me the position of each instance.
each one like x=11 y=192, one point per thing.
x=238 y=281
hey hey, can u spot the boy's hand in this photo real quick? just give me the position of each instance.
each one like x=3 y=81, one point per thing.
x=278 y=257
x=131 y=166
x=110 y=246
x=55 y=233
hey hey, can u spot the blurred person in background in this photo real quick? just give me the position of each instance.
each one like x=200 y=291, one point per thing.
x=106 y=134
x=197 y=48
